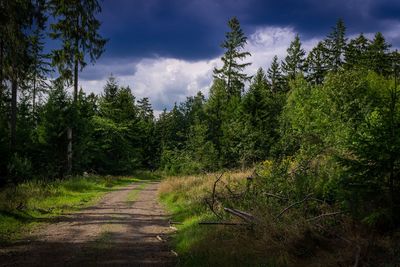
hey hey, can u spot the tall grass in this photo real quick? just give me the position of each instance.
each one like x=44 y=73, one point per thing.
x=24 y=206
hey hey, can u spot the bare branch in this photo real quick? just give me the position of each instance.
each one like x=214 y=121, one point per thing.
x=325 y=215
x=292 y=205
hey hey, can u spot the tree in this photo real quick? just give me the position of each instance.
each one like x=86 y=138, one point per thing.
x=274 y=75
x=294 y=61
x=378 y=55
x=18 y=18
x=336 y=44
x=317 y=64
x=232 y=70
x=356 y=53
x=145 y=109
x=214 y=109
x=77 y=28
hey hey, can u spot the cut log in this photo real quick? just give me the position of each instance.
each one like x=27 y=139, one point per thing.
x=243 y=215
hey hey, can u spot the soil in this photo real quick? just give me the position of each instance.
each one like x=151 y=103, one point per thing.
x=115 y=232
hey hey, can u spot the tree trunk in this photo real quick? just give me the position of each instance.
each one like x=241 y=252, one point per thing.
x=13 y=122
x=1 y=68
x=69 y=150
x=34 y=97
x=76 y=80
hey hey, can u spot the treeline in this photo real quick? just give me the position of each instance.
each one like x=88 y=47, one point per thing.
x=324 y=123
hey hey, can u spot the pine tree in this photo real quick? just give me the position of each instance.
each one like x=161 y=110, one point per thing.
x=145 y=109
x=77 y=28
x=232 y=70
x=336 y=45
x=261 y=110
x=294 y=61
x=214 y=109
x=378 y=55
x=356 y=53
x=317 y=64
x=274 y=75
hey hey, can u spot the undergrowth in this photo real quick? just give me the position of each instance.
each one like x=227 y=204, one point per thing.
x=282 y=236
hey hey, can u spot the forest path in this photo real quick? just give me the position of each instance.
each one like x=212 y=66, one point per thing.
x=123 y=229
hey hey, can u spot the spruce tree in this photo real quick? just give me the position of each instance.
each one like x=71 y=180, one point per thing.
x=356 y=53
x=294 y=61
x=232 y=70
x=336 y=45
x=78 y=30
x=379 y=56
x=317 y=64
x=275 y=77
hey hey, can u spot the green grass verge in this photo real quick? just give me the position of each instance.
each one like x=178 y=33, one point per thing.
x=24 y=207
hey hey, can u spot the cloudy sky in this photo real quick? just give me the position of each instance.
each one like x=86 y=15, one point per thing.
x=166 y=49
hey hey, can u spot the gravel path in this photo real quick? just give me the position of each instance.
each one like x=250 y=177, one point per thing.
x=127 y=227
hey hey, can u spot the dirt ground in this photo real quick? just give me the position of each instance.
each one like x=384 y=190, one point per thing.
x=118 y=231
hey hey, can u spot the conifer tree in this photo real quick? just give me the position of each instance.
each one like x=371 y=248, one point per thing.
x=336 y=45
x=294 y=61
x=274 y=75
x=77 y=28
x=356 y=53
x=378 y=55
x=317 y=64
x=232 y=70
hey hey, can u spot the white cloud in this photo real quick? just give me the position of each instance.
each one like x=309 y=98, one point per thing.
x=169 y=80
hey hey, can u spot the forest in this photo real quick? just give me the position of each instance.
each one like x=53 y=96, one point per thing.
x=323 y=122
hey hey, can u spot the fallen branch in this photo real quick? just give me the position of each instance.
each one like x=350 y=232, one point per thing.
x=275 y=196
x=292 y=205
x=222 y=223
x=243 y=215
x=324 y=215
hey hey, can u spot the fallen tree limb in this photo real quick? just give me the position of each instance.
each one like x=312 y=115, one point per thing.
x=222 y=223
x=275 y=196
x=243 y=215
x=324 y=215
x=292 y=205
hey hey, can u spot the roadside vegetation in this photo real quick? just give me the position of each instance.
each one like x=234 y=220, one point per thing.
x=309 y=232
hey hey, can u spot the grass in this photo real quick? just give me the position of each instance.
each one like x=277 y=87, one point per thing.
x=29 y=204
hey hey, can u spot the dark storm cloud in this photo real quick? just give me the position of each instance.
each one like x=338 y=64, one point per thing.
x=194 y=29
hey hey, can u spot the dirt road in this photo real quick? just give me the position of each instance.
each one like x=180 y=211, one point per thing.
x=126 y=228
